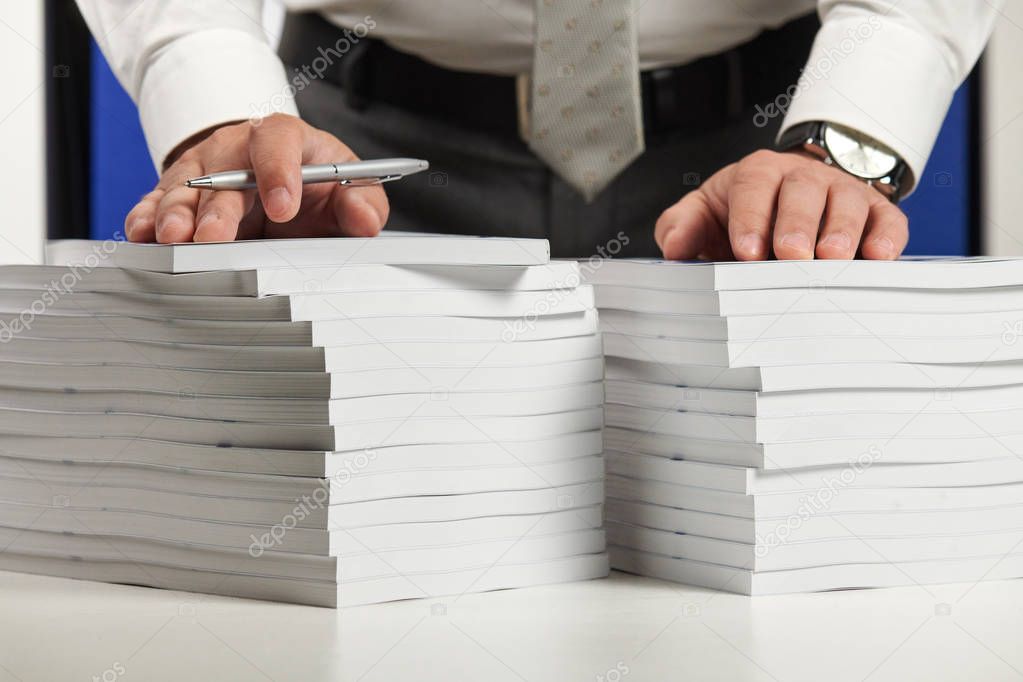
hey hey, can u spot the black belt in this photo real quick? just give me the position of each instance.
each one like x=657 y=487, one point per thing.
x=696 y=97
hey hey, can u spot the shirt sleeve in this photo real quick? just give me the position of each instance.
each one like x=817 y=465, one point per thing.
x=190 y=65
x=890 y=69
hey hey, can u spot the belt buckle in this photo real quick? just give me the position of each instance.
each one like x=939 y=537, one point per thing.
x=523 y=82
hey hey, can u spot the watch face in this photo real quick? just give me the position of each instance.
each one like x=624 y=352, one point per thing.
x=858 y=154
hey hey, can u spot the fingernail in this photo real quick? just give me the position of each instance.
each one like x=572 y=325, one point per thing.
x=169 y=222
x=208 y=218
x=840 y=241
x=885 y=245
x=278 y=201
x=796 y=241
x=751 y=245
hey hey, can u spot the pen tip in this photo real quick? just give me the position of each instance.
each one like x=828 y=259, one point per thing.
x=204 y=182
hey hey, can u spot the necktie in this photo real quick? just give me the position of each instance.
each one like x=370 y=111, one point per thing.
x=586 y=120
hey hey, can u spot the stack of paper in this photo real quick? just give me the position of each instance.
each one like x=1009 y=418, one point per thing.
x=799 y=426
x=329 y=422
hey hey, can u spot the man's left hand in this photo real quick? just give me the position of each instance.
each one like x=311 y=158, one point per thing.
x=788 y=204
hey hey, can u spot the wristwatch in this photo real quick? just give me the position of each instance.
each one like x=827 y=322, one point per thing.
x=859 y=155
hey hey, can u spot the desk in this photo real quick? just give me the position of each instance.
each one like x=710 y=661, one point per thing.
x=625 y=629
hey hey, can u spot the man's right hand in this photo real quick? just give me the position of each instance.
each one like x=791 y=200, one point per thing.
x=276 y=148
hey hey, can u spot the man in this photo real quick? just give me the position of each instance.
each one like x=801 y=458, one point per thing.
x=573 y=120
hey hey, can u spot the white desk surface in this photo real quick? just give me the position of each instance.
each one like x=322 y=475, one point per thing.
x=641 y=629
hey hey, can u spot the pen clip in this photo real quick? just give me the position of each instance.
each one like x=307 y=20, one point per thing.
x=364 y=182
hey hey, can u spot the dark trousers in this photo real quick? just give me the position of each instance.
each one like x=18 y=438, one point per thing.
x=492 y=184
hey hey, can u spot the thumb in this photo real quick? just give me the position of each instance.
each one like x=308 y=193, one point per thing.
x=276 y=149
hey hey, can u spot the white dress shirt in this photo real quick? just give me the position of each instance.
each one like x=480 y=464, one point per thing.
x=887 y=68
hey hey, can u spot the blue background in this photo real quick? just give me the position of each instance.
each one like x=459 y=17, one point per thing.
x=121 y=168
x=938 y=210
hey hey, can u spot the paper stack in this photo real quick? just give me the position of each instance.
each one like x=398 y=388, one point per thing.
x=330 y=422
x=800 y=426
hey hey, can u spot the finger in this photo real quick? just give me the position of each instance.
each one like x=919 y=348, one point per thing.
x=801 y=201
x=751 y=203
x=694 y=227
x=844 y=220
x=276 y=149
x=359 y=212
x=887 y=231
x=220 y=213
x=140 y=223
x=175 y=213
x=682 y=231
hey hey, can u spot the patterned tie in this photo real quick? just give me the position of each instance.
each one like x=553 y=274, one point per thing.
x=586 y=121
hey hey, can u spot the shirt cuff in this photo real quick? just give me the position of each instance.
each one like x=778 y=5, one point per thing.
x=882 y=78
x=206 y=79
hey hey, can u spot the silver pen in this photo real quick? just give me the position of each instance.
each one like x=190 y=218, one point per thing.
x=349 y=173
